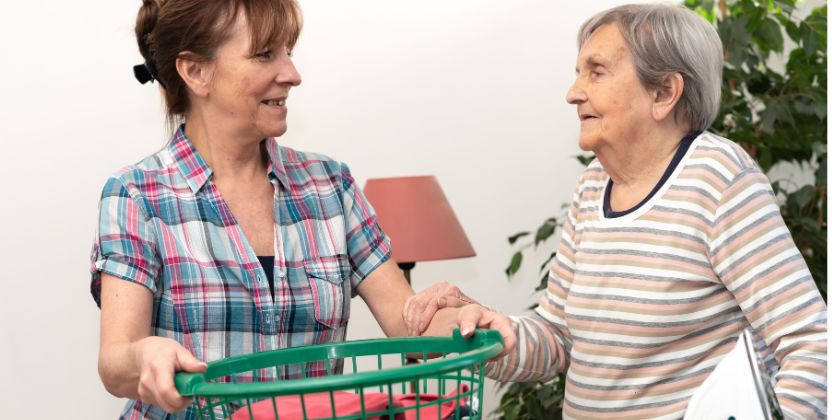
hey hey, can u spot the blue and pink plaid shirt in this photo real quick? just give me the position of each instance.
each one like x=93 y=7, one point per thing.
x=164 y=225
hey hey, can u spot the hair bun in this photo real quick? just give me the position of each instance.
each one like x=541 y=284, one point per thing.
x=145 y=23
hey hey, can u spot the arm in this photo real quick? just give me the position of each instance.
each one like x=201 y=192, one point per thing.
x=385 y=291
x=753 y=253
x=131 y=363
x=125 y=267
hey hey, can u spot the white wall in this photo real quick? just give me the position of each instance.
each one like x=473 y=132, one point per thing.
x=471 y=91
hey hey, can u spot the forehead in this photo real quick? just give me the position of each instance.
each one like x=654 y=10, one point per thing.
x=605 y=46
x=239 y=32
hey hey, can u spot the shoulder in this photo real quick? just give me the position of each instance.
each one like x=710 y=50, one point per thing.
x=302 y=167
x=726 y=168
x=151 y=176
x=722 y=155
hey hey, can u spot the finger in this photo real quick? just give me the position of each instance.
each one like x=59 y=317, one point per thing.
x=435 y=305
x=406 y=310
x=160 y=385
x=169 y=398
x=186 y=361
x=469 y=319
x=426 y=315
x=413 y=315
x=452 y=302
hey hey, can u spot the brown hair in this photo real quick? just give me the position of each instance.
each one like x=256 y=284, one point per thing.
x=168 y=29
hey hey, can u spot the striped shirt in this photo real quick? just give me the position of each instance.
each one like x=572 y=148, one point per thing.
x=640 y=308
x=164 y=225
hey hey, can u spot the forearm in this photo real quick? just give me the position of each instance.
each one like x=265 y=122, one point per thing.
x=801 y=381
x=118 y=369
x=385 y=291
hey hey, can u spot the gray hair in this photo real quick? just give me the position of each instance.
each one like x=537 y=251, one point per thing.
x=664 y=40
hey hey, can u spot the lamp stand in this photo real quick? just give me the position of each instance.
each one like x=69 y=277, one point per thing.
x=406 y=267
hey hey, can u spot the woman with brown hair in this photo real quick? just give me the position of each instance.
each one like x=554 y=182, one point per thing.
x=224 y=242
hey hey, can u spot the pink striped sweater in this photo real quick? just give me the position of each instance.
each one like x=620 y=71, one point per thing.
x=641 y=307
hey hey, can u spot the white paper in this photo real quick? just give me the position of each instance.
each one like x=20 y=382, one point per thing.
x=738 y=388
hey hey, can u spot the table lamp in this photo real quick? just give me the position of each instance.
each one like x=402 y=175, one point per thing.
x=421 y=224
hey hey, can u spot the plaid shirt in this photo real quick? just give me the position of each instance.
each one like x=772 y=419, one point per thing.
x=164 y=225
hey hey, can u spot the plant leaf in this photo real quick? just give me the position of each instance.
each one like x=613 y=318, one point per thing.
x=545 y=231
x=513 y=238
x=514 y=265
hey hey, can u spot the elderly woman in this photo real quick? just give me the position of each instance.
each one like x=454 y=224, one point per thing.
x=673 y=245
x=225 y=242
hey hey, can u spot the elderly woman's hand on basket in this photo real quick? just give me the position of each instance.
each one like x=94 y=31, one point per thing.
x=475 y=316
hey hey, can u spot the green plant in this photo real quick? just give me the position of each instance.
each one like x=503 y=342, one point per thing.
x=778 y=116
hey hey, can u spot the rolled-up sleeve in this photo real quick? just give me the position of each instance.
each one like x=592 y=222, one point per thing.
x=125 y=244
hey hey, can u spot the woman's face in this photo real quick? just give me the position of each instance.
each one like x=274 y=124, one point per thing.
x=248 y=92
x=613 y=106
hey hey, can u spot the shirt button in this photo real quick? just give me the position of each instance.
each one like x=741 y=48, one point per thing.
x=260 y=279
x=281 y=274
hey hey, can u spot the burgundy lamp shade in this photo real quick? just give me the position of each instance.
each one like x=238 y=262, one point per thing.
x=414 y=212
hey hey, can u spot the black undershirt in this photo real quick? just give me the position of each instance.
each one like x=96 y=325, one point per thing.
x=684 y=145
x=268 y=266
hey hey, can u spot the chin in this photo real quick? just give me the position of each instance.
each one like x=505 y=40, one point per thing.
x=587 y=143
x=274 y=130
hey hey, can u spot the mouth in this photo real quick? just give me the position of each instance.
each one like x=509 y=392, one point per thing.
x=274 y=102
x=585 y=117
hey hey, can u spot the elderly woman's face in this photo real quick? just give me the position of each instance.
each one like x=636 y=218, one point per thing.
x=613 y=106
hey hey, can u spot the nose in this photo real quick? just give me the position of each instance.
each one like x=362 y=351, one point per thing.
x=576 y=94
x=288 y=73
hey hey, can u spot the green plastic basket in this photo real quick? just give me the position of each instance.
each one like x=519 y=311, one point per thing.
x=440 y=377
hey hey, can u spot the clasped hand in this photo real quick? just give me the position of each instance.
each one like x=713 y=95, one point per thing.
x=442 y=307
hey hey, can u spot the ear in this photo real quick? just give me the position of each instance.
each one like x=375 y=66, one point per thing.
x=667 y=96
x=196 y=73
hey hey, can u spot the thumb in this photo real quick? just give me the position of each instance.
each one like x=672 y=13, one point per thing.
x=187 y=362
x=450 y=302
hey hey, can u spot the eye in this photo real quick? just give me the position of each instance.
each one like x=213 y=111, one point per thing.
x=596 y=71
x=264 y=55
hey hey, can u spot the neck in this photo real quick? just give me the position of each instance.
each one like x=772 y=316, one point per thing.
x=643 y=158
x=227 y=153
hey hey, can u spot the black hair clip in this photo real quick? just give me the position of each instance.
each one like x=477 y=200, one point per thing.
x=145 y=72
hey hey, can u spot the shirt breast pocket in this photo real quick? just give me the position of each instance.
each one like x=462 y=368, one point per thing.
x=331 y=289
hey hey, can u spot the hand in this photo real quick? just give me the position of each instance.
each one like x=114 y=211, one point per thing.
x=158 y=360
x=420 y=308
x=472 y=317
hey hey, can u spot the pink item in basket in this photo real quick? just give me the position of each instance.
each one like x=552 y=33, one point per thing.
x=346 y=403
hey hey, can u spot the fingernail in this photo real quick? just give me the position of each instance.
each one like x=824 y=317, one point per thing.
x=465 y=331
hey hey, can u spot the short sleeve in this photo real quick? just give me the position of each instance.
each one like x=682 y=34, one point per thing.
x=125 y=245
x=367 y=245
